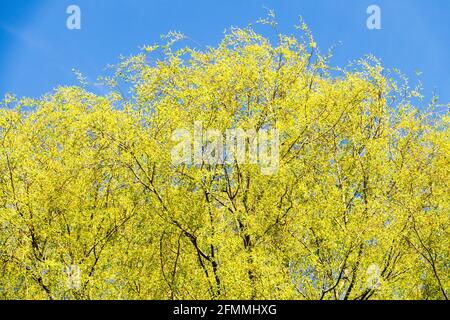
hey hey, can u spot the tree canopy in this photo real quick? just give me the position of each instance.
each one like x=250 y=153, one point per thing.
x=93 y=207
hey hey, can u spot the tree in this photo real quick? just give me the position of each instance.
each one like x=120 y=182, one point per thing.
x=93 y=207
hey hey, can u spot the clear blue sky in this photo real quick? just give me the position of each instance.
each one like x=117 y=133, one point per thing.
x=38 y=52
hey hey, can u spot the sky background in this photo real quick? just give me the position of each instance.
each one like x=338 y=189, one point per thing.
x=38 y=52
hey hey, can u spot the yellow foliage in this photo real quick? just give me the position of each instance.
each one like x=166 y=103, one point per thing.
x=91 y=206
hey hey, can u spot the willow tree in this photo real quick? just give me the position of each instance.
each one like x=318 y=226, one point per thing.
x=92 y=205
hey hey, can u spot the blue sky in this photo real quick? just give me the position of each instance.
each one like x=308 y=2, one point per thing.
x=38 y=52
